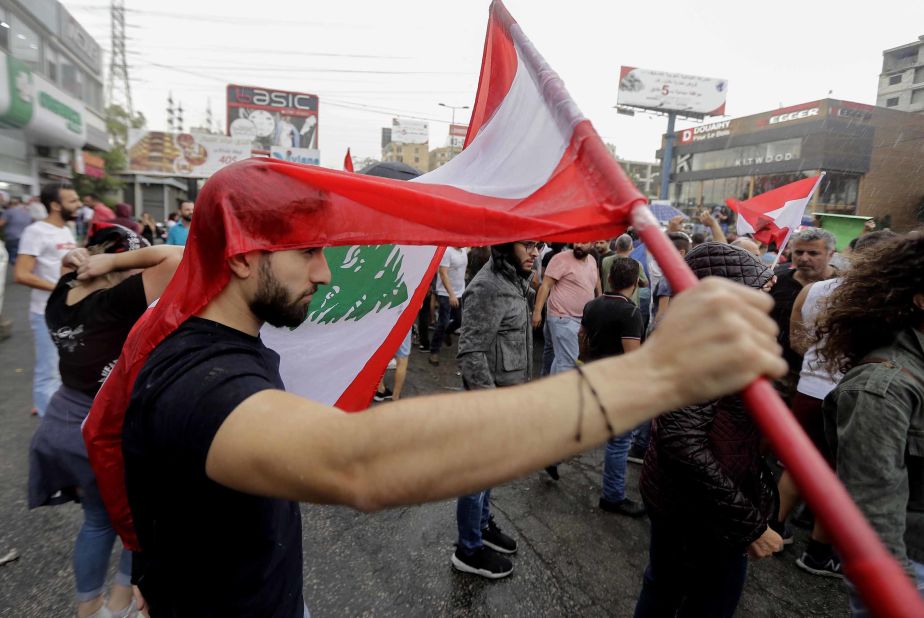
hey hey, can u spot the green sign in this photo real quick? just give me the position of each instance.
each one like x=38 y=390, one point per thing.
x=364 y=279
x=70 y=115
x=844 y=227
x=21 y=89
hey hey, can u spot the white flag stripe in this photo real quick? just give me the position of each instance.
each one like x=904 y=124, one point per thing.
x=515 y=153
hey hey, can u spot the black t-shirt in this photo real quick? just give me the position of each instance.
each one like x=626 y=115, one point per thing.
x=784 y=293
x=607 y=320
x=89 y=335
x=207 y=550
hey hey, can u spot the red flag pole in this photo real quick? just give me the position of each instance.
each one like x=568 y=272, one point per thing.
x=883 y=585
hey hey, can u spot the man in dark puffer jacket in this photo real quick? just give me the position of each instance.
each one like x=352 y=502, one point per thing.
x=708 y=493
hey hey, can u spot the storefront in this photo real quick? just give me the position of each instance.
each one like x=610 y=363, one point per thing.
x=51 y=96
x=871 y=157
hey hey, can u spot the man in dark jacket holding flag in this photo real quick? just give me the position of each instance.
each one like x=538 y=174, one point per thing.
x=495 y=350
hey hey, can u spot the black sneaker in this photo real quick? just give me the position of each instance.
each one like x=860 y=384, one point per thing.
x=484 y=562
x=626 y=507
x=382 y=395
x=498 y=541
x=552 y=471
x=636 y=454
x=828 y=566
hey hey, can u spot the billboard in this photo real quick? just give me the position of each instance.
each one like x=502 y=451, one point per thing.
x=457 y=133
x=195 y=155
x=273 y=117
x=404 y=131
x=310 y=156
x=672 y=92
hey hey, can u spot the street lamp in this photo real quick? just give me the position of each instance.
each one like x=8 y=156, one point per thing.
x=452 y=148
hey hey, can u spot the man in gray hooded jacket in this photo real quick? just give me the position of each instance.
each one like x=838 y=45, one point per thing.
x=495 y=349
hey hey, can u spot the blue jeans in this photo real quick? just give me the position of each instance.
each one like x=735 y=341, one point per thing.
x=564 y=331
x=614 y=467
x=689 y=574
x=858 y=610
x=641 y=436
x=449 y=320
x=472 y=515
x=93 y=548
x=46 y=379
x=12 y=247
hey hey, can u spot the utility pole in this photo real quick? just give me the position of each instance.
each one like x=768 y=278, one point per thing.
x=171 y=117
x=452 y=145
x=667 y=157
x=119 y=89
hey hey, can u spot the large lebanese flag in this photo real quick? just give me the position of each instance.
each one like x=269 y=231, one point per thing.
x=774 y=215
x=533 y=167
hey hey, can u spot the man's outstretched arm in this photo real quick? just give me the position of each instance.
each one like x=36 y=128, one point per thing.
x=430 y=448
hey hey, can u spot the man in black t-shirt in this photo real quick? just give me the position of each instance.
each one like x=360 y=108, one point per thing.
x=217 y=454
x=611 y=326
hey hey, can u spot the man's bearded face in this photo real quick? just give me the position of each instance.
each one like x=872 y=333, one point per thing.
x=274 y=304
x=581 y=249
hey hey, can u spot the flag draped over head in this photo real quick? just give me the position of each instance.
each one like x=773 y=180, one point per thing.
x=348 y=162
x=533 y=168
x=774 y=215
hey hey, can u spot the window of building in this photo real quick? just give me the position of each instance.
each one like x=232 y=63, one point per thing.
x=770 y=152
x=93 y=94
x=838 y=189
x=893 y=102
x=25 y=44
x=4 y=30
x=71 y=78
x=919 y=75
x=895 y=79
x=917 y=96
x=51 y=65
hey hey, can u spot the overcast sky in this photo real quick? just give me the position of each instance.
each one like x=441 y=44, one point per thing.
x=371 y=60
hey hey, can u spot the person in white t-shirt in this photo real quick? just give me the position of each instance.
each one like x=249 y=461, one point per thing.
x=42 y=247
x=450 y=285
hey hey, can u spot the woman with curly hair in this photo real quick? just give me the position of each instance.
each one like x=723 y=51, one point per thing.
x=873 y=332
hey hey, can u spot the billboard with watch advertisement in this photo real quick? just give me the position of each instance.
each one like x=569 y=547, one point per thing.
x=272 y=118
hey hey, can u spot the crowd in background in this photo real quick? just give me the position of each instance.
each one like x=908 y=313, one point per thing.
x=851 y=329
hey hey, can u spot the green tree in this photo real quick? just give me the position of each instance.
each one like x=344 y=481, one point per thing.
x=364 y=279
x=118 y=122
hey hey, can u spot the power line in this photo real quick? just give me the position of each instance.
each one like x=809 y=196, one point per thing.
x=226 y=19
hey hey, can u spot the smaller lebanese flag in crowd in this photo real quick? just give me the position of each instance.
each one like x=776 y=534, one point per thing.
x=348 y=162
x=774 y=215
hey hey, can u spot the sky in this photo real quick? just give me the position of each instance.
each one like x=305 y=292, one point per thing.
x=370 y=61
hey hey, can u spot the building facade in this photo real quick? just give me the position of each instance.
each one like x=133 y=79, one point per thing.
x=901 y=83
x=51 y=96
x=871 y=157
x=645 y=175
x=415 y=155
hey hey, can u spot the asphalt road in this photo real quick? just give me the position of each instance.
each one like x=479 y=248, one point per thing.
x=574 y=560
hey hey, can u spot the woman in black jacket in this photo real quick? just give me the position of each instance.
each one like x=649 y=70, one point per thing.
x=708 y=492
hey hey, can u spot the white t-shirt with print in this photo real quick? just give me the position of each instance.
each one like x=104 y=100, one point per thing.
x=456 y=260
x=49 y=244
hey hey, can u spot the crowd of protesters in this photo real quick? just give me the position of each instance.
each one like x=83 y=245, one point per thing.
x=851 y=332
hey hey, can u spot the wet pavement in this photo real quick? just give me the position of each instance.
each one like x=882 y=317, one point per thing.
x=574 y=560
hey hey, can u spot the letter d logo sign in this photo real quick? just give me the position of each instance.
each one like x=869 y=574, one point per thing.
x=686 y=136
